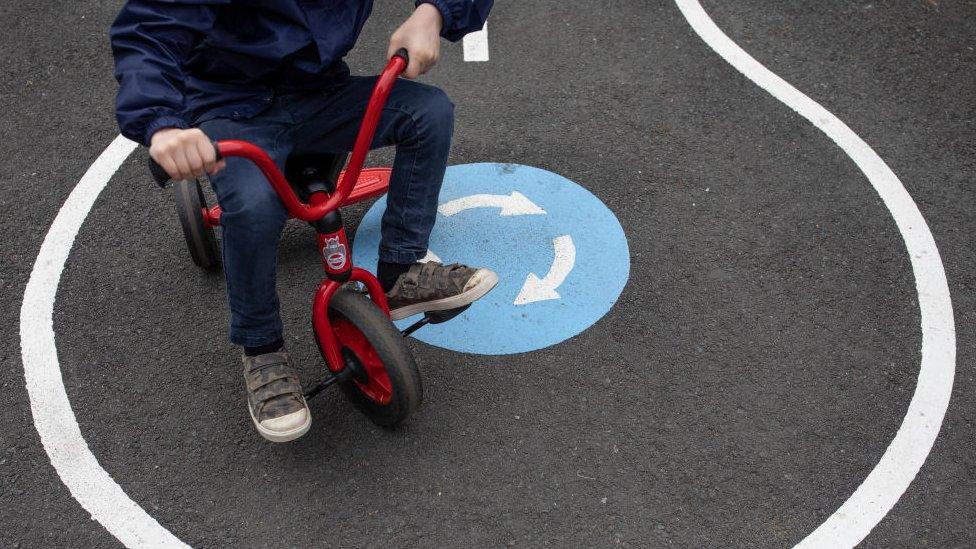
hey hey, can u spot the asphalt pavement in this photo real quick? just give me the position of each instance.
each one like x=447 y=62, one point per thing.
x=752 y=373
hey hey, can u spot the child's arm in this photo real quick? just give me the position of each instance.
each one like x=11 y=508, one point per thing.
x=460 y=16
x=420 y=34
x=151 y=40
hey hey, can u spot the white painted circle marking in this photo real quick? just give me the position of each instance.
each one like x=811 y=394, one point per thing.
x=108 y=504
x=889 y=479
x=54 y=420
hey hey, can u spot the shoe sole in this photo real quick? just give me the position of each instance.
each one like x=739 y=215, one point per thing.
x=447 y=303
x=282 y=436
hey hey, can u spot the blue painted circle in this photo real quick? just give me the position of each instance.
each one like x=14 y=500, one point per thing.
x=515 y=246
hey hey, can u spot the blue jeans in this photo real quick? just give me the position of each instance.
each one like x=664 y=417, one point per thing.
x=418 y=119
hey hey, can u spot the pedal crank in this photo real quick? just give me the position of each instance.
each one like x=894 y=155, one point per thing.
x=353 y=369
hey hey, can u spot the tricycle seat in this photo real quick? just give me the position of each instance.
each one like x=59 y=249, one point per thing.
x=311 y=172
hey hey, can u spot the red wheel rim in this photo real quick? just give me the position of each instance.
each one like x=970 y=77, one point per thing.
x=377 y=387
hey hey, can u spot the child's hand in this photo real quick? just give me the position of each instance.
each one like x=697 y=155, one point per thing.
x=420 y=35
x=184 y=154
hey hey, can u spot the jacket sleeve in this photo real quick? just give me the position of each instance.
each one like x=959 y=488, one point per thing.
x=461 y=16
x=151 y=39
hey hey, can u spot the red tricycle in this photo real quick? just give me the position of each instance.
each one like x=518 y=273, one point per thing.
x=364 y=351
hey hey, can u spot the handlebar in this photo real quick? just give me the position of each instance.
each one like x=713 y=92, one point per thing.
x=367 y=129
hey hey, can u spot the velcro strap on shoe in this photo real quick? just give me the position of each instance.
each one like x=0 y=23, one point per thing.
x=276 y=388
x=262 y=375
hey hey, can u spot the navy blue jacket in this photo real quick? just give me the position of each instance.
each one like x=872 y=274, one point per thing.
x=181 y=62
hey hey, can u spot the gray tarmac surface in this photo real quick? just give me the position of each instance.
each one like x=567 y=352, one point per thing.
x=754 y=370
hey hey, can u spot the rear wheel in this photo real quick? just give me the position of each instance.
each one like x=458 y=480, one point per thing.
x=385 y=383
x=200 y=239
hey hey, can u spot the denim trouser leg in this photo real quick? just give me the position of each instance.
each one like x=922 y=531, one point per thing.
x=251 y=222
x=419 y=120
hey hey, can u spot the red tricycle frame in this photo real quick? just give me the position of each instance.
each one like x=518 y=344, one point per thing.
x=355 y=184
x=372 y=182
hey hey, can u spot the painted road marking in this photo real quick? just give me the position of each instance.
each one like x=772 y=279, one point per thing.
x=541 y=289
x=54 y=420
x=521 y=222
x=431 y=256
x=476 y=45
x=100 y=495
x=889 y=479
x=513 y=204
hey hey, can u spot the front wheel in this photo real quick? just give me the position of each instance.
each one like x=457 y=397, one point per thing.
x=385 y=383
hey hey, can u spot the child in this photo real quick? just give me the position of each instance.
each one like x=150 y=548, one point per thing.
x=271 y=72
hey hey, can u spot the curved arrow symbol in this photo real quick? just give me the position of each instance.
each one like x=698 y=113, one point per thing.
x=513 y=204
x=542 y=289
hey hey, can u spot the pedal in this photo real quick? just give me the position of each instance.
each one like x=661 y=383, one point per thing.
x=433 y=317
x=437 y=317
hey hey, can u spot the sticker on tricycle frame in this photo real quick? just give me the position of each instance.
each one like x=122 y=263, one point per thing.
x=560 y=253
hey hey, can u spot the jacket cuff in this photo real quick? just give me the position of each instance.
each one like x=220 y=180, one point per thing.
x=445 y=9
x=161 y=123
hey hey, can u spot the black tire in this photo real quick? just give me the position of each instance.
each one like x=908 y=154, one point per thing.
x=200 y=239
x=392 y=350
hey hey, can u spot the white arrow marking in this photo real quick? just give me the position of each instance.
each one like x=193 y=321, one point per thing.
x=513 y=204
x=543 y=289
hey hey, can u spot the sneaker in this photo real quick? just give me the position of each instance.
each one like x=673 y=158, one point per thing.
x=432 y=286
x=274 y=397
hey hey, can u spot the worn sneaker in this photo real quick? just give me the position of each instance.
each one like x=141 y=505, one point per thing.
x=432 y=286
x=274 y=397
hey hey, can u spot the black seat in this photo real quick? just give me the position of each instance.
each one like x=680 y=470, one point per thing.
x=311 y=172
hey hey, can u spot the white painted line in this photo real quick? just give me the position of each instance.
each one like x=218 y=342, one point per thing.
x=899 y=465
x=101 y=496
x=476 y=45
x=544 y=289
x=511 y=204
x=54 y=420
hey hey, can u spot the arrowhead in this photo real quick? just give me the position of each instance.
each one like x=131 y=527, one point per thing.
x=431 y=256
x=518 y=204
x=535 y=289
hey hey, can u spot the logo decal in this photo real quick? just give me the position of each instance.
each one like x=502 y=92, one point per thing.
x=334 y=253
